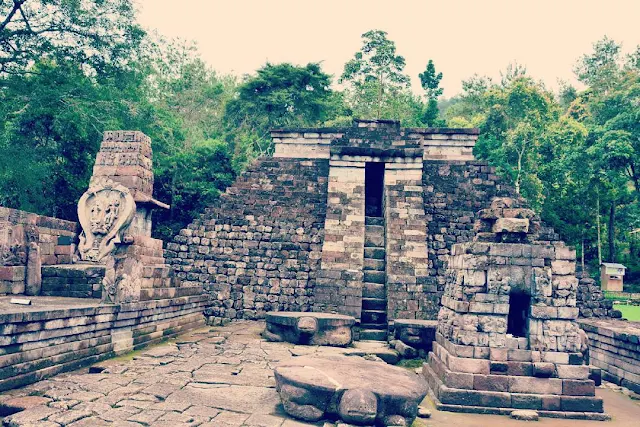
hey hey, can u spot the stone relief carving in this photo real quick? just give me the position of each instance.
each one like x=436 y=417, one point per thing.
x=105 y=210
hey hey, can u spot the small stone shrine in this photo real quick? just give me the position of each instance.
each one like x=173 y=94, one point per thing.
x=507 y=334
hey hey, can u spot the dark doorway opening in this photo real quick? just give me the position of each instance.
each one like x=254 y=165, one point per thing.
x=373 y=187
x=518 y=320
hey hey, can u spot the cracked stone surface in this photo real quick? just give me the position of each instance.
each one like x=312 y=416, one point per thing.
x=221 y=376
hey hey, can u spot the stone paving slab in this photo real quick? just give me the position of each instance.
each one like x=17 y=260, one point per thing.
x=220 y=377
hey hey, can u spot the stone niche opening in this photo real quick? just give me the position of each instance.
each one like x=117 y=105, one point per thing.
x=519 y=310
x=373 y=188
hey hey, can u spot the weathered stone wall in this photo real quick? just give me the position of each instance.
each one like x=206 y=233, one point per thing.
x=406 y=249
x=339 y=283
x=591 y=300
x=38 y=344
x=258 y=248
x=72 y=280
x=54 y=239
x=454 y=191
x=614 y=346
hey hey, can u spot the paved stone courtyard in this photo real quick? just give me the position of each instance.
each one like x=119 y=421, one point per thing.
x=219 y=377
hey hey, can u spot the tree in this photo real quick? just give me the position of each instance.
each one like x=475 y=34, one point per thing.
x=278 y=95
x=99 y=34
x=600 y=69
x=375 y=76
x=430 y=81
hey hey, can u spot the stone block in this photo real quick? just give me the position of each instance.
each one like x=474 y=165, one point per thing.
x=581 y=404
x=544 y=369
x=526 y=401
x=472 y=366
x=491 y=382
x=573 y=372
x=511 y=225
x=474 y=398
x=540 y=385
x=578 y=388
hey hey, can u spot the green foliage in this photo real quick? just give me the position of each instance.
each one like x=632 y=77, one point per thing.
x=99 y=34
x=191 y=179
x=430 y=81
x=575 y=157
x=279 y=95
x=377 y=86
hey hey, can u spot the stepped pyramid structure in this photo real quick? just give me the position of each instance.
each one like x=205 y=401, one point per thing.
x=358 y=221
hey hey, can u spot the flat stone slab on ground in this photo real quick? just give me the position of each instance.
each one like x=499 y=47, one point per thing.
x=356 y=390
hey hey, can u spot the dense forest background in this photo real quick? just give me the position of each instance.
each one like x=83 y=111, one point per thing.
x=70 y=69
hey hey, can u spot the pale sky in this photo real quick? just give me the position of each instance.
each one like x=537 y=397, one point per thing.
x=462 y=37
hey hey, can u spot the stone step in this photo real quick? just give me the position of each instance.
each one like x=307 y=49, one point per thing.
x=374 y=220
x=374 y=253
x=374 y=304
x=373 y=290
x=373 y=240
x=373 y=334
x=378 y=230
x=375 y=276
x=376 y=326
x=374 y=264
x=378 y=317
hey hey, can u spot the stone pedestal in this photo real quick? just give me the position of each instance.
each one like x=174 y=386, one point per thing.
x=414 y=337
x=310 y=328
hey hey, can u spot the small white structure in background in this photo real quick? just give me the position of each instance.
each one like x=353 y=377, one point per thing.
x=611 y=275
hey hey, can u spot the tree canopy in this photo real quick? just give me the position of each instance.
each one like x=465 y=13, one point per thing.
x=71 y=69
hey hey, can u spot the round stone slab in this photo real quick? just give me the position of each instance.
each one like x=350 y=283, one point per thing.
x=356 y=390
x=309 y=328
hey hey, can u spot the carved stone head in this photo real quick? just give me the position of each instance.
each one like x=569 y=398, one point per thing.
x=105 y=210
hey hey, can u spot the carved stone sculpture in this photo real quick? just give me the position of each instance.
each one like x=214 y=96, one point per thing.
x=105 y=210
x=350 y=388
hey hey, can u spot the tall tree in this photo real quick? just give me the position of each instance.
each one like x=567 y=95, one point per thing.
x=430 y=81
x=375 y=76
x=278 y=95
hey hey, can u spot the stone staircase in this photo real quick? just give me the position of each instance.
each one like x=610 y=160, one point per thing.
x=373 y=323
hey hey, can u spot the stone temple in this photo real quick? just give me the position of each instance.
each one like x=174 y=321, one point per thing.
x=372 y=233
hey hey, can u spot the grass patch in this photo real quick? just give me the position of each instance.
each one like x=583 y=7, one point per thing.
x=630 y=312
x=411 y=363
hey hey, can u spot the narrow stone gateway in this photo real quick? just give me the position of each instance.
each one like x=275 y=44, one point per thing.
x=357 y=221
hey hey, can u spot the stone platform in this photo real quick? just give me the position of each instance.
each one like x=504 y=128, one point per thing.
x=309 y=328
x=354 y=389
x=55 y=334
x=505 y=380
x=214 y=377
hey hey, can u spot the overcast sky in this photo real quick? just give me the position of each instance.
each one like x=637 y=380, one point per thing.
x=463 y=37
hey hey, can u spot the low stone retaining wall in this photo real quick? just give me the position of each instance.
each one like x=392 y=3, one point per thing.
x=41 y=343
x=614 y=346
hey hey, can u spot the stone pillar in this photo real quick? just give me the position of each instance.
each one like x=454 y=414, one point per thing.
x=33 y=284
x=339 y=282
x=406 y=246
